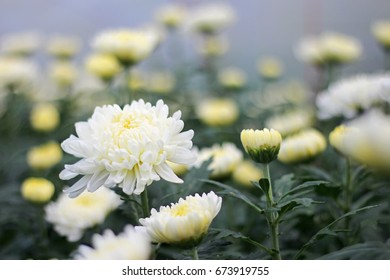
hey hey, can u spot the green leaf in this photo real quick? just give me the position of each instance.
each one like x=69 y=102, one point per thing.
x=303 y=188
x=327 y=229
x=224 y=233
x=264 y=185
x=374 y=250
x=283 y=184
x=235 y=193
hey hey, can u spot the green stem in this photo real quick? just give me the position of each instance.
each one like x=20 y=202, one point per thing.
x=194 y=253
x=348 y=194
x=273 y=221
x=145 y=204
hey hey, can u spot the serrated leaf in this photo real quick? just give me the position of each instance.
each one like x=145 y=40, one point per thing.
x=364 y=251
x=327 y=229
x=223 y=233
x=284 y=184
x=302 y=188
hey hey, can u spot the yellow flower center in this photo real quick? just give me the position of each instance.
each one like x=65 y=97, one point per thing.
x=180 y=210
x=85 y=200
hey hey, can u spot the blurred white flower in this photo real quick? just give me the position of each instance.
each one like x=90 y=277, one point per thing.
x=211 y=18
x=328 y=47
x=351 y=96
x=224 y=159
x=302 y=146
x=20 y=44
x=381 y=32
x=17 y=72
x=171 y=15
x=367 y=140
x=63 y=47
x=183 y=223
x=63 y=73
x=217 y=111
x=127 y=147
x=129 y=45
x=291 y=121
x=71 y=217
x=128 y=245
x=270 y=68
x=232 y=78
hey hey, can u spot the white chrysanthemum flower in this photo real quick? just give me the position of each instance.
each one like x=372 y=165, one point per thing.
x=367 y=140
x=302 y=146
x=72 y=216
x=171 y=15
x=23 y=43
x=127 y=147
x=224 y=157
x=183 y=223
x=350 y=96
x=128 y=245
x=63 y=47
x=291 y=122
x=128 y=45
x=16 y=72
x=211 y=18
x=328 y=47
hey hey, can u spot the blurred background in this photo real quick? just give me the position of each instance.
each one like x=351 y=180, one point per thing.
x=262 y=28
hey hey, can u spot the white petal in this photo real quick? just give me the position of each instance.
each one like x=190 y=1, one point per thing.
x=167 y=174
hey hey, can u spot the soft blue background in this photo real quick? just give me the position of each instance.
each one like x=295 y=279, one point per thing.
x=263 y=26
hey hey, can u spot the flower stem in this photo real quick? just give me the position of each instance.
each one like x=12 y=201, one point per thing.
x=348 y=194
x=194 y=253
x=273 y=221
x=145 y=203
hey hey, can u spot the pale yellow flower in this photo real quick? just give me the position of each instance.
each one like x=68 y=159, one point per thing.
x=129 y=46
x=270 y=68
x=20 y=44
x=103 y=66
x=63 y=47
x=291 y=121
x=44 y=156
x=184 y=223
x=246 y=172
x=232 y=78
x=224 y=159
x=63 y=73
x=329 y=47
x=161 y=82
x=211 y=18
x=218 y=111
x=72 y=216
x=302 y=146
x=128 y=245
x=262 y=145
x=213 y=46
x=381 y=32
x=178 y=169
x=37 y=190
x=171 y=15
x=17 y=72
x=137 y=80
x=44 y=117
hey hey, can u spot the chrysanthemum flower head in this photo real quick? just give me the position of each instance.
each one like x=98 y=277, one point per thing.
x=218 y=111
x=232 y=78
x=224 y=159
x=104 y=66
x=381 y=32
x=71 y=217
x=184 y=223
x=303 y=146
x=44 y=117
x=128 y=147
x=37 y=190
x=262 y=145
x=130 y=46
x=128 y=245
x=44 y=156
x=171 y=16
x=247 y=172
x=63 y=47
